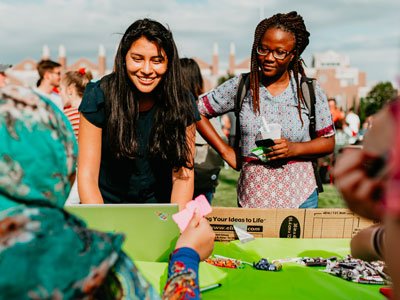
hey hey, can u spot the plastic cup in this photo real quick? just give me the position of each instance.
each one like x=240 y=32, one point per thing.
x=273 y=131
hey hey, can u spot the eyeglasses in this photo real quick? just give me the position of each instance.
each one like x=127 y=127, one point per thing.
x=277 y=53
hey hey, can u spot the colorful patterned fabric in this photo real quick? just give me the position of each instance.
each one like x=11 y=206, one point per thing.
x=38 y=150
x=278 y=185
x=183 y=282
x=283 y=187
x=46 y=253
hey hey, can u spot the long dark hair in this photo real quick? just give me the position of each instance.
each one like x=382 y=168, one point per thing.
x=192 y=78
x=291 y=22
x=174 y=111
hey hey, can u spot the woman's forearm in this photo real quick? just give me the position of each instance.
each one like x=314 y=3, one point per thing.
x=284 y=149
x=89 y=159
x=182 y=187
x=183 y=278
x=89 y=192
x=315 y=148
x=208 y=132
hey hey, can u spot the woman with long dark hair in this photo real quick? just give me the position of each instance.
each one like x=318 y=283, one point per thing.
x=138 y=125
x=284 y=178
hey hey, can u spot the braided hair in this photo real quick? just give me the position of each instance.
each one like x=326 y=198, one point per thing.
x=291 y=22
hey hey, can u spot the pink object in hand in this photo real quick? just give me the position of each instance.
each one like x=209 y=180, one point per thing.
x=199 y=205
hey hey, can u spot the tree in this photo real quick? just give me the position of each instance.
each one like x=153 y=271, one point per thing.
x=379 y=95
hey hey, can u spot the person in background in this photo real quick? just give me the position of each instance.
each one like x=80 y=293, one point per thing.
x=73 y=84
x=369 y=180
x=137 y=128
x=354 y=122
x=342 y=139
x=3 y=76
x=226 y=123
x=365 y=127
x=337 y=114
x=51 y=252
x=287 y=179
x=49 y=81
x=207 y=162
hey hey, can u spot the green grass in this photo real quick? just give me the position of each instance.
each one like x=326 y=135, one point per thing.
x=225 y=194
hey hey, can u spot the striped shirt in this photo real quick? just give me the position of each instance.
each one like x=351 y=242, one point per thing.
x=73 y=116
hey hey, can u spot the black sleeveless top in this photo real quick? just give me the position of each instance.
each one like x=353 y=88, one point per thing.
x=139 y=180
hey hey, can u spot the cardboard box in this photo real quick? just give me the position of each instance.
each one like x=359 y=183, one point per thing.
x=286 y=223
x=333 y=223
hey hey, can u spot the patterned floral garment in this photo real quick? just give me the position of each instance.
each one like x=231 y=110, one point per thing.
x=286 y=184
x=45 y=252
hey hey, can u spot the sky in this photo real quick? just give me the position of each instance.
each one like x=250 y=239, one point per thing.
x=366 y=30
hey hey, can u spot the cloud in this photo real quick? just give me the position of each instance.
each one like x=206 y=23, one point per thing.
x=348 y=26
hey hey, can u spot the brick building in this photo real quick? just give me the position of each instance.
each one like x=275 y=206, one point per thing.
x=339 y=80
x=25 y=72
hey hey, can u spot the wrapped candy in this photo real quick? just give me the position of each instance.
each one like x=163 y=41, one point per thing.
x=263 y=264
x=357 y=270
x=227 y=262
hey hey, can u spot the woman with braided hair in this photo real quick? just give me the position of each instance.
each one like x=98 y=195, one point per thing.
x=284 y=178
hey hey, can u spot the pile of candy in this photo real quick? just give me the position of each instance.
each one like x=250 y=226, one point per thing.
x=263 y=264
x=357 y=270
x=351 y=269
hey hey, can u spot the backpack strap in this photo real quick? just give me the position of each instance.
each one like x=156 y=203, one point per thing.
x=244 y=86
x=308 y=91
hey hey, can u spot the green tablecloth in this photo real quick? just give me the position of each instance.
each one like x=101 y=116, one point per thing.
x=293 y=282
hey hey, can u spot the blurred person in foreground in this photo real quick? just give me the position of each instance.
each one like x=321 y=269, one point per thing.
x=369 y=180
x=47 y=253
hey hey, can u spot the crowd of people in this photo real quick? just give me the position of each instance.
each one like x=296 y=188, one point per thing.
x=136 y=133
